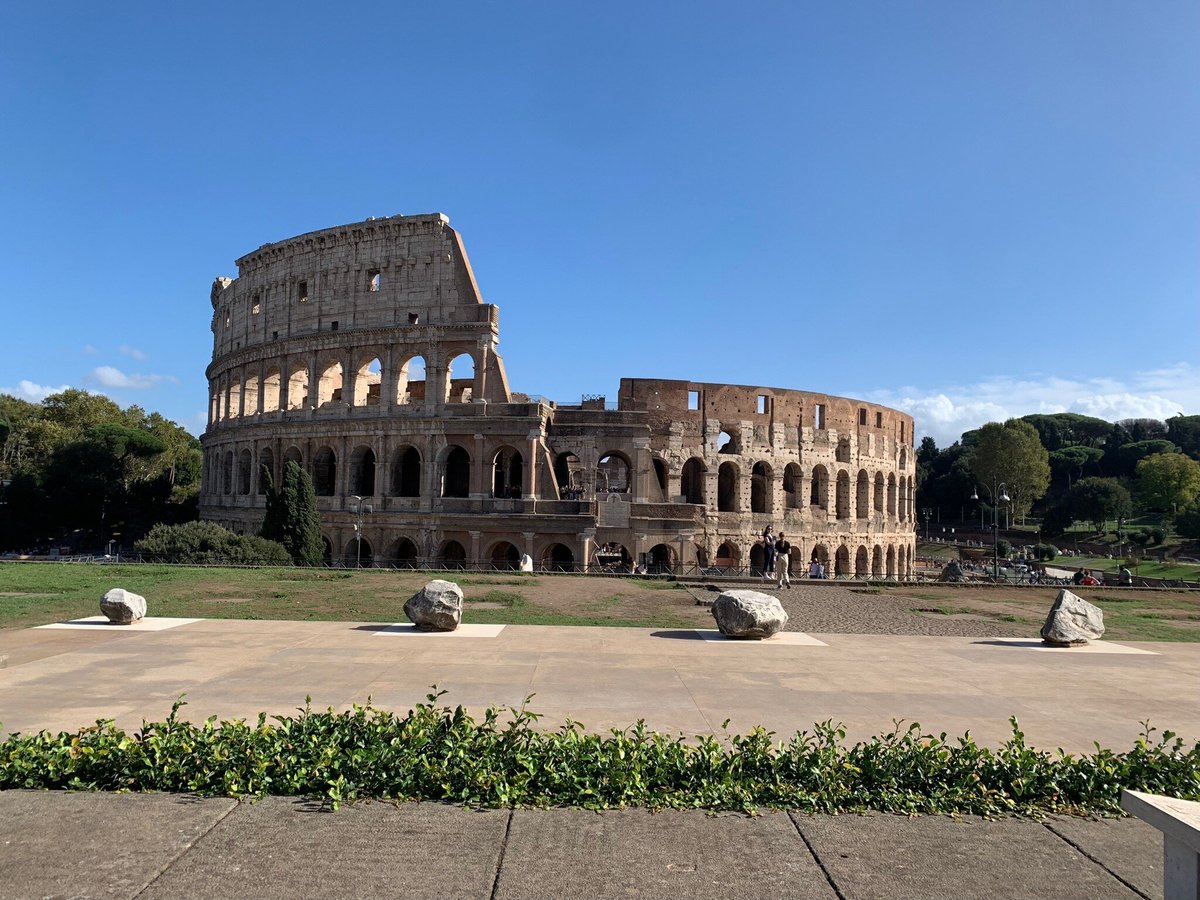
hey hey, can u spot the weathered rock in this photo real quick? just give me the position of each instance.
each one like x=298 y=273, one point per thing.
x=952 y=572
x=526 y=564
x=123 y=607
x=436 y=607
x=748 y=614
x=1072 y=621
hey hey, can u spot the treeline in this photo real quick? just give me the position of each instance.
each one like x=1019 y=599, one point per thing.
x=1068 y=468
x=77 y=469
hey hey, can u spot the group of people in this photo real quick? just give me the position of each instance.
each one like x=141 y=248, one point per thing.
x=1086 y=578
x=777 y=560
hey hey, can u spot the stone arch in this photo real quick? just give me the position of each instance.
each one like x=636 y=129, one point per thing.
x=291 y=454
x=250 y=396
x=612 y=557
x=692 y=481
x=452 y=555
x=819 y=494
x=728 y=556
x=403 y=554
x=660 y=560
x=891 y=561
x=456 y=472
x=326 y=551
x=760 y=488
x=325 y=472
x=406 y=472
x=843 y=494
x=266 y=470
x=362 y=472
x=368 y=382
x=359 y=553
x=233 y=397
x=227 y=473
x=504 y=556
x=862 y=565
x=460 y=389
x=727 y=487
x=758 y=558
x=568 y=472
x=245 y=467
x=297 y=387
x=841 y=562
x=271 y=384
x=877 y=561
x=842 y=453
x=862 y=495
x=410 y=380
x=792 y=483
x=878 y=503
x=820 y=553
x=508 y=472
x=558 y=558
x=660 y=476
x=903 y=458
x=329 y=384
x=613 y=473
x=891 y=496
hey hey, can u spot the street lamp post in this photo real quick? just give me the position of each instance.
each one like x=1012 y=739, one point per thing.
x=999 y=494
x=360 y=508
x=926 y=512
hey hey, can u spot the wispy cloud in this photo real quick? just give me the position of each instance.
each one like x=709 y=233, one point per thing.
x=111 y=377
x=90 y=349
x=133 y=351
x=33 y=392
x=946 y=412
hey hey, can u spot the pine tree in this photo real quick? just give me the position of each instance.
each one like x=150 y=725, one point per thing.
x=300 y=521
x=272 y=526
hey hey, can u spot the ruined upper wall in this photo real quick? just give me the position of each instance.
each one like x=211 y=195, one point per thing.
x=397 y=270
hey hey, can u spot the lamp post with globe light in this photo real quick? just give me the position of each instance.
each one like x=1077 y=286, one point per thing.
x=998 y=495
x=360 y=508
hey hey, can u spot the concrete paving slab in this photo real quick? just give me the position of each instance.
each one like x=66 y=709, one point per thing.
x=149 y=623
x=54 y=844
x=465 y=630
x=1129 y=848
x=669 y=854
x=783 y=638
x=898 y=858
x=1093 y=647
x=284 y=848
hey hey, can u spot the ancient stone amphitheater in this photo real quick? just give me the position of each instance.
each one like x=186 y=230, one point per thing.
x=366 y=354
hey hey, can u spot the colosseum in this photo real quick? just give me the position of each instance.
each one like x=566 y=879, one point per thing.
x=366 y=354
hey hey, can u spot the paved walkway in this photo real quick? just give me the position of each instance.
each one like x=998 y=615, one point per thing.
x=163 y=846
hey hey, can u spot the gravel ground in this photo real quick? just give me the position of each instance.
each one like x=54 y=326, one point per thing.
x=830 y=608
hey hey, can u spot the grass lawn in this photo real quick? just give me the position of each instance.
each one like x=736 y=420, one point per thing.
x=40 y=593
x=1144 y=569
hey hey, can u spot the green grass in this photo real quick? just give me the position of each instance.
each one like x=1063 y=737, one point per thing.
x=1144 y=568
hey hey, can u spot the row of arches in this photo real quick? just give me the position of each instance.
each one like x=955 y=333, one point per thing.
x=863 y=562
x=402 y=553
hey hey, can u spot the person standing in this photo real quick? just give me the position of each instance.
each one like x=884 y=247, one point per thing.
x=814 y=569
x=783 y=559
x=768 y=552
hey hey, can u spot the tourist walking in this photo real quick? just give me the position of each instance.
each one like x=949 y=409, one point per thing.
x=783 y=560
x=768 y=552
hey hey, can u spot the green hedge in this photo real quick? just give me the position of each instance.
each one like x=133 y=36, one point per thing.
x=442 y=754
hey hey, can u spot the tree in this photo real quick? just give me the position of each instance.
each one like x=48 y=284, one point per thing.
x=1069 y=462
x=1012 y=453
x=1187 y=522
x=1167 y=481
x=273 y=518
x=301 y=529
x=1184 y=431
x=1129 y=455
x=207 y=543
x=1097 y=500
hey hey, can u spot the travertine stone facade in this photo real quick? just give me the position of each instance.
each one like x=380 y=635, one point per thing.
x=366 y=353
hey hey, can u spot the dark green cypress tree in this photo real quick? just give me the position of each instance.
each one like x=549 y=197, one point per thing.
x=301 y=521
x=272 y=526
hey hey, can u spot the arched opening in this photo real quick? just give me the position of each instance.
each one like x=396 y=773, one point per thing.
x=726 y=443
x=758 y=558
x=819 y=496
x=368 y=382
x=329 y=385
x=820 y=554
x=612 y=474
x=861 y=564
x=245 y=464
x=227 y=472
x=410 y=381
x=727 y=487
x=728 y=556
x=327 y=553
x=903 y=458
x=891 y=561
x=358 y=554
x=908 y=566
x=456 y=473
x=250 y=396
x=558 y=558
x=568 y=472
x=508 y=472
x=362 y=472
x=843 y=495
x=691 y=481
x=878 y=492
x=266 y=470
x=271 y=390
x=406 y=472
x=505 y=557
x=613 y=558
x=660 y=560
x=404 y=554
x=842 y=453
x=234 y=399
x=863 y=495
x=841 y=562
x=453 y=556
x=460 y=379
x=325 y=472
x=792 y=480
x=877 y=561
x=291 y=454
x=297 y=393
x=760 y=488
x=660 y=477
x=891 y=496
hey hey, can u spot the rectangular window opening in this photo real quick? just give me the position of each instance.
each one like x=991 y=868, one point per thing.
x=274 y=335
x=693 y=399
x=374 y=280
x=256 y=306
x=902 y=432
x=333 y=325
x=414 y=319
x=302 y=291
x=762 y=403
x=862 y=415
x=819 y=417
x=878 y=420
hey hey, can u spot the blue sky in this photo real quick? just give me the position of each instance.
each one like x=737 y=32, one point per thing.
x=966 y=210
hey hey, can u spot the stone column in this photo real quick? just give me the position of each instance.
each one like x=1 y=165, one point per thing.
x=285 y=375
x=349 y=380
x=642 y=470
x=585 y=540
x=530 y=485
x=479 y=487
x=475 y=546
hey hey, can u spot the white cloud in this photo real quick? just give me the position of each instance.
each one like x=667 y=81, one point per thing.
x=111 y=377
x=35 y=393
x=946 y=412
x=132 y=351
x=90 y=349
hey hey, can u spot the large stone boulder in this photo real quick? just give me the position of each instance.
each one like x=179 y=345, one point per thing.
x=748 y=614
x=436 y=607
x=123 y=607
x=1072 y=621
x=953 y=572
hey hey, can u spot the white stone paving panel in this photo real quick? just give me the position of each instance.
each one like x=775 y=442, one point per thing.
x=793 y=638
x=1092 y=647
x=463 y=631
x=150 y=623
